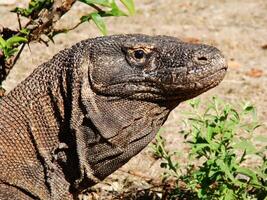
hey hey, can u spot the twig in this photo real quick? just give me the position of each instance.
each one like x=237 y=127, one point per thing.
x=75 y=26
x=18 y=54
x=18 y=17
x=96 y=7
x=43 y=24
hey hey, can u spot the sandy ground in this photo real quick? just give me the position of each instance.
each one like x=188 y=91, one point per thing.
x=238 y=28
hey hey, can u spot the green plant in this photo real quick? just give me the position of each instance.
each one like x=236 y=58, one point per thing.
x=221 y=138
x=112 y=10
x=10 y=45
x=160 y=151
x=42 y=16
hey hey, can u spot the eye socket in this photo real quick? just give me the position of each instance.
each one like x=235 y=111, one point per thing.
x=139 y=54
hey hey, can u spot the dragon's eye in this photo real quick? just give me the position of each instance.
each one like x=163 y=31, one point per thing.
x=139 y=54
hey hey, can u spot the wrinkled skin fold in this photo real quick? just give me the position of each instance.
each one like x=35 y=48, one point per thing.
x=83 y=114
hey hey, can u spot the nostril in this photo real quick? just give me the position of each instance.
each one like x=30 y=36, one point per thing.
x=202 y=58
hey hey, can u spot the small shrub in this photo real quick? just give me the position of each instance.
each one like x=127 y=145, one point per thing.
x=221 y=138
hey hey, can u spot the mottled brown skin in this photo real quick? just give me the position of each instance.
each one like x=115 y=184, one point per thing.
x=83 y=114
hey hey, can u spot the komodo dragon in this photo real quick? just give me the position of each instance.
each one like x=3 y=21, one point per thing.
x=83 y=114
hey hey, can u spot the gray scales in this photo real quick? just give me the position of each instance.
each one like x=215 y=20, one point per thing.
x=83 y=114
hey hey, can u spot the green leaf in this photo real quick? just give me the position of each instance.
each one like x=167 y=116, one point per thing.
x=15 y=40
x=210 y=133
x=12 y=52
x=261 y=174
x=249 y=173
x=25 y=31
x=201 y=147
x=194 y=103
x=34 y=7
x=227 y=171
x=115 y=11
x=229 y=194
x=98 y=20
x=246 y=145
x=235 y=115
x=261 y=138
x=22 y=11
x=105 y=3
x=2 y=43
x=129 y=4
x=242 y=158
x=249 y=108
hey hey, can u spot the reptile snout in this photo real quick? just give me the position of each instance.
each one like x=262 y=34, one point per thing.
x=205 y=55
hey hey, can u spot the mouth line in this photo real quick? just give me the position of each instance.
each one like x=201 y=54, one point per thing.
x=141 y=85
x=202 y=89
x=180 y=89
x=153 y=82
x=209 y=76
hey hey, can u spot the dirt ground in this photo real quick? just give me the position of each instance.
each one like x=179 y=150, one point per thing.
x=238 y=28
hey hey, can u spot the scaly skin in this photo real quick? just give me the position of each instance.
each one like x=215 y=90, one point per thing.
x=83 y=114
